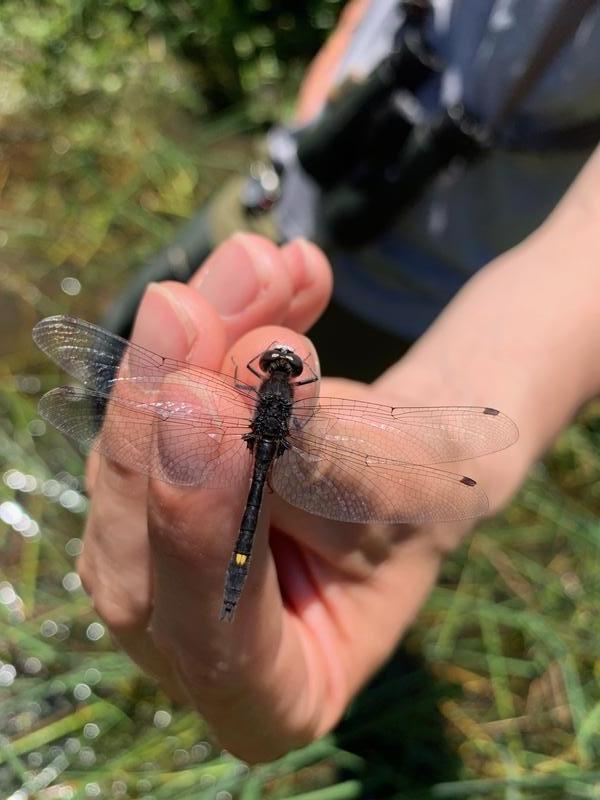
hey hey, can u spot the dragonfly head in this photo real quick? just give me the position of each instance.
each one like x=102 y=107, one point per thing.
x=281 y=358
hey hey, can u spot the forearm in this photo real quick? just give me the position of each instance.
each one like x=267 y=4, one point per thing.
x=524 y=334
x=321 y=74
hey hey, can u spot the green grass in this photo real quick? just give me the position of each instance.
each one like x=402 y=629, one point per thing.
x=494 y=695
x=496 y=691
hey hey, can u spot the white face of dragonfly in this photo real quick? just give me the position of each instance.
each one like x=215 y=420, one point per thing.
x=284 y=349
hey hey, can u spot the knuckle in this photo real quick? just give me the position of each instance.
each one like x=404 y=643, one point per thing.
x=121 y=480
x=121 y=610
x=121 y=614
x=176 y=518
x=92 y=468
x=86 y=574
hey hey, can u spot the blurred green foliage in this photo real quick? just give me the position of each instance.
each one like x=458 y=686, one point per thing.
x=116 y=122
x=236 y=49
x=239 y=47
x=107 y=140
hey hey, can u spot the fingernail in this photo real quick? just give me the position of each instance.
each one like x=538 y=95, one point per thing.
x=234 y=275
x=299 y=258
x=293 y=257
x=163 y=324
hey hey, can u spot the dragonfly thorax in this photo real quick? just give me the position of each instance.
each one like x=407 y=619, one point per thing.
x=273 y=410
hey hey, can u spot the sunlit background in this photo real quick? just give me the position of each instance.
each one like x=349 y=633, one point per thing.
x=117 y=121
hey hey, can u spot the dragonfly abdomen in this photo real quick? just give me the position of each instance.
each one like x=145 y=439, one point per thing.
x=265 y=450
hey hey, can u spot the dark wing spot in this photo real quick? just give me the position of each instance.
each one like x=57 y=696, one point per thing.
x=468 y=481
x=493 y=412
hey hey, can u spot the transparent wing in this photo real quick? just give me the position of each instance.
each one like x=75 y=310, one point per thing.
x=417 y=435
x=356 y=461
x=348 y=459
x=99 y=359
x=175 y=441
x=351 y=487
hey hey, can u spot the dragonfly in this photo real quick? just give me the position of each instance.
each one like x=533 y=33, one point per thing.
x=343 y=459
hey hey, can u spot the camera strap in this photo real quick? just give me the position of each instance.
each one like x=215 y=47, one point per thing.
x=559 y=30
x=357 y=209
x=371 y=156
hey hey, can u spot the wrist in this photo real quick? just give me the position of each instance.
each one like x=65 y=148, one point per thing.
x=520 y=337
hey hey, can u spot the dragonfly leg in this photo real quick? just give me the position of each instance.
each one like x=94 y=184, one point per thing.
x=245 y=387
x=250 y=439
x=252 y=369
x=314 y=377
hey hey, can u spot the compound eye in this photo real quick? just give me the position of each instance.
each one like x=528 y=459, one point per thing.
x=296 y=363
x=265 y=360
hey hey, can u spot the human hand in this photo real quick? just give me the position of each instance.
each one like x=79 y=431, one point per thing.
x=302 y=641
